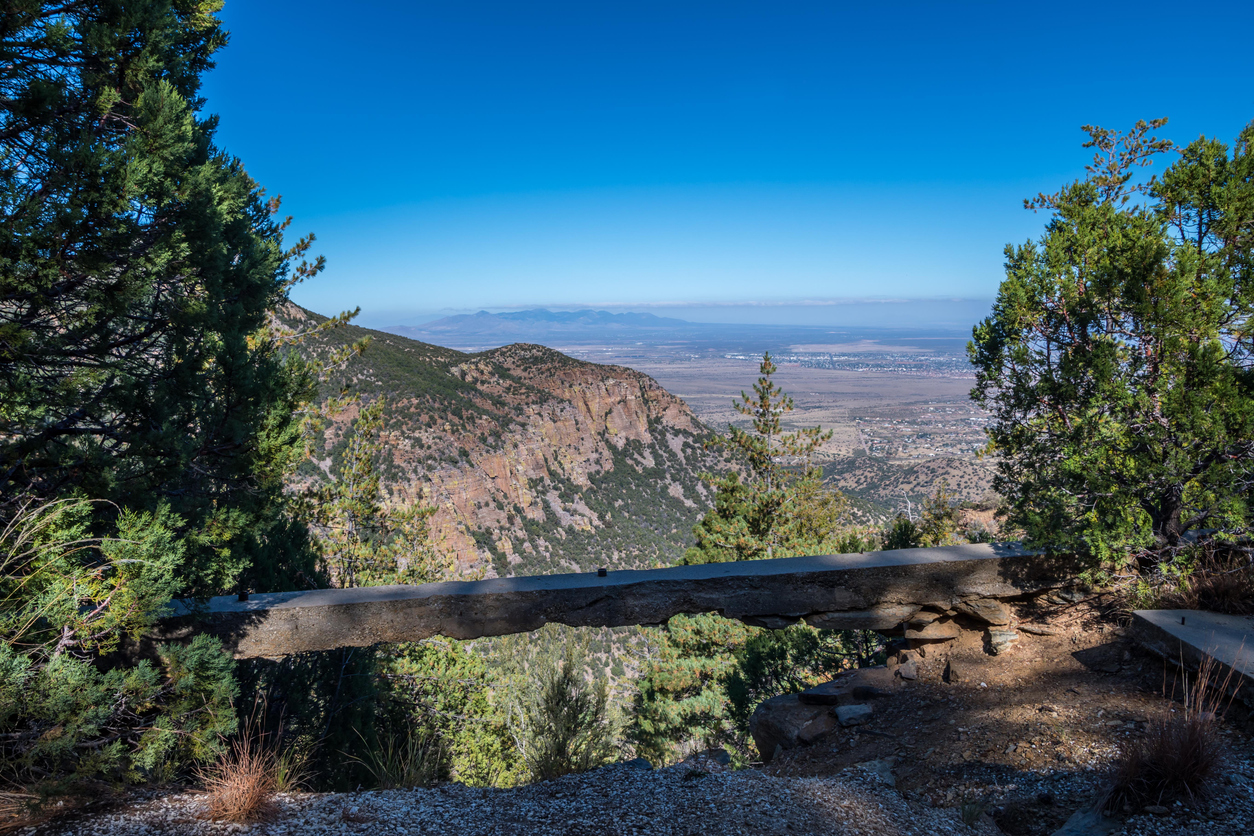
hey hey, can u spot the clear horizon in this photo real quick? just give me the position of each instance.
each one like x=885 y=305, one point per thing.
x=487 y=155
x=941 y=314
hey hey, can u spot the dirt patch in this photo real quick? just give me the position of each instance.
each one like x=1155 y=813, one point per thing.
x=1027 y=735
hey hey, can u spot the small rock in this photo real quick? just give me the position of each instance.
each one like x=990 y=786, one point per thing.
x=923 y=618
x=1068 y=596
x=882 y=769
x=1000 y=640
x=1155 y=810
x=908 y=670
x=853 y=715
x=1038 y=629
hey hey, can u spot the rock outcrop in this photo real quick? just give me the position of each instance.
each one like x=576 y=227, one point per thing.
x=804 y=719
x=534 y=462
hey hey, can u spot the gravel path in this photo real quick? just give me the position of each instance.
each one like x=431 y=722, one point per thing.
x=678 y=801
x=620 y=800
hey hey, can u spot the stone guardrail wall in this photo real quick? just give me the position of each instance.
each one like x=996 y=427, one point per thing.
x=912 y=592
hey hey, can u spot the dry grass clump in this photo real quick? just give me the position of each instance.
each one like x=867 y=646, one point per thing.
x=1181 y=756
x=242 y=784
x=1221 y=587
x=18 y=811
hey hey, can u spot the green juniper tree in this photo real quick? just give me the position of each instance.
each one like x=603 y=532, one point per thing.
x=149 y=412
x=1118 y=361
x=139 y=264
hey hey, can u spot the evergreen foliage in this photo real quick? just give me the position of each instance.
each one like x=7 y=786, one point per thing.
x=710 y=672
x=777 y=662
x=681 y=693
x=446 y=692
x=363 y=540
x=564 y=725
x=938 y=525
x=148 y=413
x=781 y=507
x=137 y=266
x=67 y=598
x=1117 y=361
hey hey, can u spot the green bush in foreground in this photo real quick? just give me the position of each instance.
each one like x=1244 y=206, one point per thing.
x=66 y=599
x=563 y=725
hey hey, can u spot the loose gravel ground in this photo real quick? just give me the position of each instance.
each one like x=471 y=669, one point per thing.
x=614 y=801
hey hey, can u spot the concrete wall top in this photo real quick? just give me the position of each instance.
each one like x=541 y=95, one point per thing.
x=873 y=590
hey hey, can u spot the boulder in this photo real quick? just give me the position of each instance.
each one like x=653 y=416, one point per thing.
x=851 y=686
x=988 y=610
x=785 y=722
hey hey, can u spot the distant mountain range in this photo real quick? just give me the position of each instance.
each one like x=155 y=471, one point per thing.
x=540 y=325
x=483 y=330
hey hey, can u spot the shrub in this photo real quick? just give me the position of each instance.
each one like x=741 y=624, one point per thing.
x=565 y=727
x=774 y=662
x=242 y=783
x=67 y=710
x=406 y=758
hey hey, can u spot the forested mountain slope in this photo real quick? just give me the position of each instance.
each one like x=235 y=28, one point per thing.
x=535 y=462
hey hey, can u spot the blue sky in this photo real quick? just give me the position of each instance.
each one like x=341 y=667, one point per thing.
x=681 y=156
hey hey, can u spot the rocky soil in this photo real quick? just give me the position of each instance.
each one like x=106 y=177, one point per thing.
x=1012 y=744
x=1028 y=735
x=679 y=801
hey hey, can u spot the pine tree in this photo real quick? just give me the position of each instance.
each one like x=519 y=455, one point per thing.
x=139 y=264
x=780 y=507
x=365 y=540
x=149 y=412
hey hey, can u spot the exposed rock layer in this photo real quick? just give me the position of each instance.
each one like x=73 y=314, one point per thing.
x=533 y=461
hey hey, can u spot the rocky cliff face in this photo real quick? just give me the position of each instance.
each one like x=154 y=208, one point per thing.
x=535 y=462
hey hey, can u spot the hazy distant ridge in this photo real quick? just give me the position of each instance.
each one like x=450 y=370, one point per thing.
x=538 y=324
